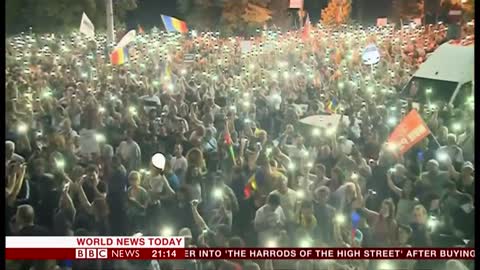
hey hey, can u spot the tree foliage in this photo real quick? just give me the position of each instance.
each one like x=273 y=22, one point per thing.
x=231 y=16
x=60 y=15
x=408 y=9
x=469 y=8
x=337 y=12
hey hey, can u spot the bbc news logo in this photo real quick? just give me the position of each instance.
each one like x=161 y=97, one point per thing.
x=91 y=253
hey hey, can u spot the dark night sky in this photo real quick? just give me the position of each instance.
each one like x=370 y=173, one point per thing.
x=148 y=12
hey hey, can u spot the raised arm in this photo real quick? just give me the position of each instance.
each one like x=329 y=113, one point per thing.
x=83 y=197
x=198 y=219
x=66 y=202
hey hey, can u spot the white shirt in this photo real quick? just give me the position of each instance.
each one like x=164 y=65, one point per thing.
x=346 y=146
x=274 y=100
x=287 y=203
x=267 y=222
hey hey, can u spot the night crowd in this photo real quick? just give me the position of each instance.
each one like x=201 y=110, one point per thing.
x=241 y=170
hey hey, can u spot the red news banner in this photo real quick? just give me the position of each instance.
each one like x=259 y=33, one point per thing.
x=171 y=248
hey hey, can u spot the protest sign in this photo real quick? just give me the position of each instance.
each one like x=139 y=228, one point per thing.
x=417 y=21
x=408 y=133
x=296 y=4
x=189 y=58
x=382 y=22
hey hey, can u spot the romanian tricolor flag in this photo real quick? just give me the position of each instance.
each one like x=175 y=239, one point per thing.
x=332 y=105
x=174 y=24
x=119 y=56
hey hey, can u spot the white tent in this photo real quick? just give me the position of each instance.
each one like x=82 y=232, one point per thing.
x=449 y=62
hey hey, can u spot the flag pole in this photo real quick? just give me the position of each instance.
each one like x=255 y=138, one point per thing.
x=109 y=10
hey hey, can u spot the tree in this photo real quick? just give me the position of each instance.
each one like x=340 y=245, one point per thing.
x=231 y=16
x=245 y=16
x=280 y=13
x=59 y=15
x=337 y=12
x=469 y=8
x=408 y=9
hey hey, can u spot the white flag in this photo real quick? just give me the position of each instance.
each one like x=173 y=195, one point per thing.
x=86 y=26
x=129 y=37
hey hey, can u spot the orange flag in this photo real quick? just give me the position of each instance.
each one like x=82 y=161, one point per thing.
x=306 y=29
x=140 y=30
x=409 y=132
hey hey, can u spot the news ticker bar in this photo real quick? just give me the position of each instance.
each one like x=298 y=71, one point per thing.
x=239 y=253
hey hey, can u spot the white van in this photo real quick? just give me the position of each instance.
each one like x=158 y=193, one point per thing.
x=446 y=76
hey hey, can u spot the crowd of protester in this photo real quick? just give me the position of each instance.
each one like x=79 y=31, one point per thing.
x=81 y=133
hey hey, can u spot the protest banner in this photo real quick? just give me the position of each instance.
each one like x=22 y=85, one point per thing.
x=417 y=21
x=322 y=121
x=189 y=58
x=382 y=21
x=296 y=4
x=408 y=133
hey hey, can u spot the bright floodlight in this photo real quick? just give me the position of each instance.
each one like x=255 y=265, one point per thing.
x=158 y=161
x=316 y=132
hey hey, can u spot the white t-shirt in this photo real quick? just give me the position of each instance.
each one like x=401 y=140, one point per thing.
x=346 y=146
x=88 y=142
x=287 y=202
x=268 y=221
